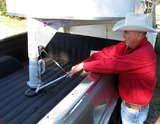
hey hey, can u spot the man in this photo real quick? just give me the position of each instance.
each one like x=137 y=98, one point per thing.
x=134 y=60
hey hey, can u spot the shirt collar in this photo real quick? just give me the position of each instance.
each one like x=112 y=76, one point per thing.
x=143 y=41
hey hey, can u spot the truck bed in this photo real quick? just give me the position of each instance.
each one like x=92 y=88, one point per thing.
x=15 y=107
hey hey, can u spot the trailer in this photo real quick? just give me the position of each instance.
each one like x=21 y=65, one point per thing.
x=64 y=33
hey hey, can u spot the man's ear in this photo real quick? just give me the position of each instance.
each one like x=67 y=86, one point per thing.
x=140 y=36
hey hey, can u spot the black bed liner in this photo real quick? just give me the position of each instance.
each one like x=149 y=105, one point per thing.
x=16 y=108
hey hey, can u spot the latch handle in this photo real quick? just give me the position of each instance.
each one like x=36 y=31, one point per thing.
x=41 y=66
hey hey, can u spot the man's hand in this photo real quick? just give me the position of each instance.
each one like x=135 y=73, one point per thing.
x=75 y=69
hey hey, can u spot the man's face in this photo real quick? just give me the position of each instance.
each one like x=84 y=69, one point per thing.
x=131 y=38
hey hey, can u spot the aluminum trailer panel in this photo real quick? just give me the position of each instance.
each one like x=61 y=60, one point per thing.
x=70 y=9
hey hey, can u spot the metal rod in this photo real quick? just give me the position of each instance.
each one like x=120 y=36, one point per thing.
x=52 y=82
x=54 y=61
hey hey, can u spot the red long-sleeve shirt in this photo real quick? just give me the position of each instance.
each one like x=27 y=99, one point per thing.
x=136 y=68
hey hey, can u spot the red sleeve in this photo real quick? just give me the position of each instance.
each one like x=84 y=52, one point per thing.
x=108 y=52
x=139 y=61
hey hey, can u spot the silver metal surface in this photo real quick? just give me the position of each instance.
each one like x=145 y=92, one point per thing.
x=60 y=111
x=98 y=103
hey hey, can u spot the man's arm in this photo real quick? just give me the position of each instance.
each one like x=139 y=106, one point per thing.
x=108 y=52
x=139 y=61
x=75 y=69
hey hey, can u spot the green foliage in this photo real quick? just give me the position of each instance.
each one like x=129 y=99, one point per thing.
x=154 y=112
x=3 y=8
x=158 y=44
x=3 y=11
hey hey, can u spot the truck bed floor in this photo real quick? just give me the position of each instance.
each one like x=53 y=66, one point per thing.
x=16 y=108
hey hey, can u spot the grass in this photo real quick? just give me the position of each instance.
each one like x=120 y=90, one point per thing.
x=14 y=24
x=154 y=112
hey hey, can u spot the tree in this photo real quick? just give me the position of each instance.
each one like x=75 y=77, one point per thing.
x=3 y=8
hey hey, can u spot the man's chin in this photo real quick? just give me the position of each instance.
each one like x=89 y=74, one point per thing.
x=128 y=46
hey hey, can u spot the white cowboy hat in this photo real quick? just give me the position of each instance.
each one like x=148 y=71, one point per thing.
x=134 y=22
